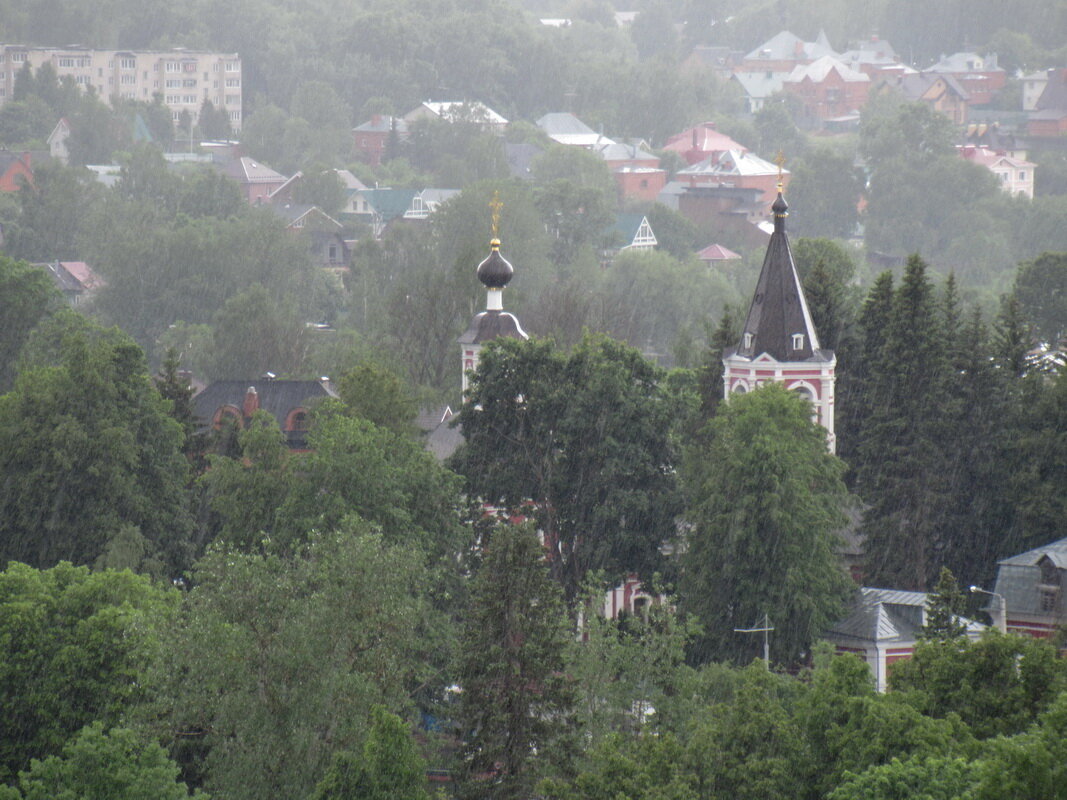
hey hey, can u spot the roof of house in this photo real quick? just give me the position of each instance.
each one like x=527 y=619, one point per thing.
x=629 y=225
x=460 y=111
x=350 y=181
x=382 y=124
x=991 y=158
x=83 y=274
x=733 y=162
x=616 y=151
x=703 y=137
x=434 y=197
x=1019 y=578
x=248 y=170
x=277 y=397
x=294 y=212
x=1054 y=96
x=786 y=46
x=760 y=85
x=9 y=157
x=389 y=203
x=917 y=84
x=716 y=252
x=779 y=309
x=871 y=51
x=443 y=435
x=889 y=615
x=565 y=128
x=966 y=62
x=820 y=69
x=520 y=157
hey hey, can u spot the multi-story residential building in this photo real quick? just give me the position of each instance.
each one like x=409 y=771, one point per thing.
x=183 y=78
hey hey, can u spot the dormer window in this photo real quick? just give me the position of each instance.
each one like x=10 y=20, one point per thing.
x=798 y=341
x=747 y=339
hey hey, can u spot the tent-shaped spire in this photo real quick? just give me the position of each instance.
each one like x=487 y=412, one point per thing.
x=779 y=323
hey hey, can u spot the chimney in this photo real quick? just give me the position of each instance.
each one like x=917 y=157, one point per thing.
x=251 y=405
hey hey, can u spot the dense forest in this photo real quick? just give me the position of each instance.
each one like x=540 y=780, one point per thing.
x=195 y=612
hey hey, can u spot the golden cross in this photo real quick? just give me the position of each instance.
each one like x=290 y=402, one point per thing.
x=780 y=161
x=496 y=204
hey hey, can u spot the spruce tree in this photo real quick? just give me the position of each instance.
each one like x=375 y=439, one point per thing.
x=901 y=475
x=944 y=609
x=516 y=704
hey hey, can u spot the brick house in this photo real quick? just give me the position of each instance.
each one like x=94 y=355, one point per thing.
x=827 y=89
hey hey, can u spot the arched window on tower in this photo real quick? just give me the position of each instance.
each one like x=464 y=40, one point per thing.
x=798 y=341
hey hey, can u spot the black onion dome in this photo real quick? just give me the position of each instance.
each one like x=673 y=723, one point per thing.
x=779 y=207
x=495 y=272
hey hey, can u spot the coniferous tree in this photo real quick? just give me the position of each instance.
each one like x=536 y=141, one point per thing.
x=516 y=703
x=946 y=605
x=901 y=475
x=859 y=362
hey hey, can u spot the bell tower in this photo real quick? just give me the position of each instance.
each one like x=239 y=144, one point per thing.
x=779 y=342
x=495 y=272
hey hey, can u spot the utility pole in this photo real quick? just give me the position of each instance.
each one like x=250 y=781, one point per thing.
x=765 y=630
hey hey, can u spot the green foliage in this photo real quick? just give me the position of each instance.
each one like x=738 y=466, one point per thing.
x=586 y=437
x=998 y=685
x=86 y=447
x=765 y=500
x=824 y=190
x=278 y=662
x=390 y=767
x=916 y=778
x=377 y=394
x=1041 y=291
x=254 y=333
x=644 y=768
x=946 y=605
x=516 y=703
x=77 y=646
x=28 y=296
x=99 y=764
x=628 y=672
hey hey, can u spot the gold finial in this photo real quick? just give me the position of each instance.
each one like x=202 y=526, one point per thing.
x=496 y=204
x=780 y=161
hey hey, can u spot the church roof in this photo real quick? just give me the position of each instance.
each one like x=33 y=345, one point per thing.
x=489 y=325
x=779 y=310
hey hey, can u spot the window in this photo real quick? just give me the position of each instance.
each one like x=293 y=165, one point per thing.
x=82 y=80
x=235 y=116
x=18 y=58
x=100 y=72
x=3 y=91
x=128 y=80
x=233 y=83
x=1022 y=175
x=173 y=66
x=189 y=83
x=333 y=253
x=798 y=341
x=66 y=62
x=747 y=338
x=127 y=63
x=233 y=99
x=1048 y=599
x=215 y=67
x=173 y=99
x=233 y=66
x=173 y=83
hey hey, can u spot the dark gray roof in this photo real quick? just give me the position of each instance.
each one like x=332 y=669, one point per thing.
x=489 y=325
x=1019 y=579
x=888 y=615
x=778 y=309
x=277 y=397
x=443 y=435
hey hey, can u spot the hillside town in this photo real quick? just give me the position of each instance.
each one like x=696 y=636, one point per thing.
x=533 y=400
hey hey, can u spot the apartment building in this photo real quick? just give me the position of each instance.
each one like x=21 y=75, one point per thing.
x=184 y=78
